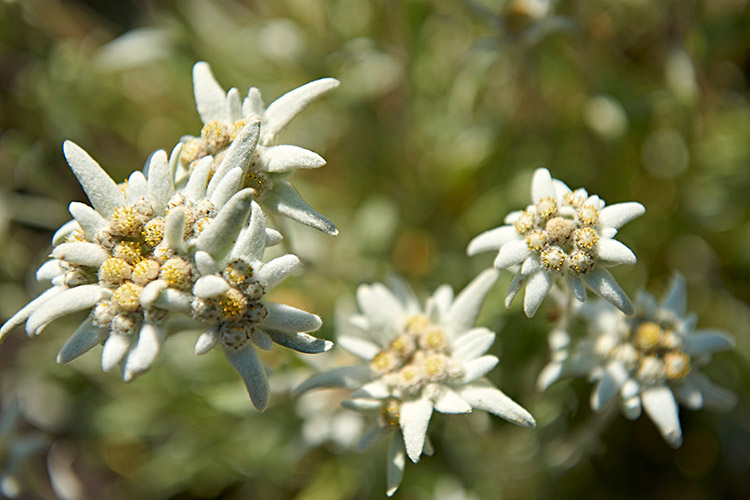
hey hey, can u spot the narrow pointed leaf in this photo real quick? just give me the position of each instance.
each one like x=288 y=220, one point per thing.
x=252 y=242
x=101 y=190
x=174 y=229
x=228 y=186
x=50 y=270
x=414 y=419
x=619 y=214
x=473 y=344
x=285 y=158
x=676 y=298
x=288 y=318
x=659 y=403
x=284 y=199
x=483 y=396
x=81 y=252
x=70 y=301
x=210 y=286
x=23 y=314
x=239 y=154
x=245 y=361
x=137 y=187
x=234 y=105
x=219 y=237
x=542 y=186
x=536 y=289
x=90 y=220
x=277 y=270
x=142 y=355
x=207 y=340
x=609 y=385
x=396 y=464
x=210 y=98
x=160 y=186
x=479 y=367
x=300 y=342
x=115 y=348
x=602 y=283
x=491 y=240
x=83 y=339
x=198 y=181
x=65 y=231
x=205 y=263
x=450 y=402
x=280 y=112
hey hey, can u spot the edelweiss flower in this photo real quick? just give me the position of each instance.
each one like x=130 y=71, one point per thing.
x=419 y=361
x=649 y=359
x=225 y=115
x=146 y=251
x=563 y=234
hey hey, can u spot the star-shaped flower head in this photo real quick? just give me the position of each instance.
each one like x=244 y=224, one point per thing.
x=418 y=360
x=650 y=360
x=225 y=115
x=563 y=234
x=147 y=251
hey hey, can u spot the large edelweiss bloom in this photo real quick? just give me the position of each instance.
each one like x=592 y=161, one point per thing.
x=226 y=114
x=147 y=251
x=651 y=360
x=417 y=361
x=563 y=234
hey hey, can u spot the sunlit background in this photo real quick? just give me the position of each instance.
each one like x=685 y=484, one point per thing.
x=444 y=110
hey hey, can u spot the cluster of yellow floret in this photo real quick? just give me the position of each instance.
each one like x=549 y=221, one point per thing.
x=659 y=352
x=563 y=235
x=418 y=357
x=215 y=139
x=651 y=350
x=138 y=255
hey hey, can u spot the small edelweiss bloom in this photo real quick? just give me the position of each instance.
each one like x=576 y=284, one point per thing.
x=651 y=360
x=416 y=361
x=147 y=251
x=563 y=234
x=227 y=118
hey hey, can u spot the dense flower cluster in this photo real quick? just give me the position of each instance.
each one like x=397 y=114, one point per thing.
x=181 y=237
x=186 y=236
x=417 y=361
x=650 y=360
x=225 y=116
x=563 y=234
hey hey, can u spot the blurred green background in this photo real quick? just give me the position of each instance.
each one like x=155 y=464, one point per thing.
x=445 y=109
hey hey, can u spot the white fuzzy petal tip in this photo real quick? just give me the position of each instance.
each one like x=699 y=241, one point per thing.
x=542 y=186
x=661 y=407
x=414 y=420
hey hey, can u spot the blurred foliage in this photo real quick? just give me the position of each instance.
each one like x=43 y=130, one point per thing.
x=445 y=108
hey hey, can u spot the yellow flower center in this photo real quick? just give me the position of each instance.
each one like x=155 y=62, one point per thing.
x=647 y=336
x=546 y=208
x=177 y=273
x=127 y=297
x=233 y=304
x=113 y=272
